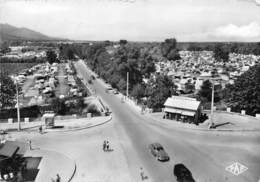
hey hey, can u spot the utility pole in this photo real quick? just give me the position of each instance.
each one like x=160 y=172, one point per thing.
x=127 y=84
x=212 y=105
x=18 y=106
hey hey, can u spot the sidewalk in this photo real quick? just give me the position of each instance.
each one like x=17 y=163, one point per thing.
x=60 y=125
x=231 y=125
x=52 y=163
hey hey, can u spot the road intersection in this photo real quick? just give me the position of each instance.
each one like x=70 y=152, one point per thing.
x=206 y=154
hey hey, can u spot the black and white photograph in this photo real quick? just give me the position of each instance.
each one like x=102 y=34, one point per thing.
x=129 y=90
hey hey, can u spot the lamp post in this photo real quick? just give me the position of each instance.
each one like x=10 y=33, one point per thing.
x=18 y=106
x=212 y=103
x=127 y=84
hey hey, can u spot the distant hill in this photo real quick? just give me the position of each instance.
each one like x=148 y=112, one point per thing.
x=9 y=32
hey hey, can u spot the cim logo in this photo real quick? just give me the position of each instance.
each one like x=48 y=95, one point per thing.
x=236 y=168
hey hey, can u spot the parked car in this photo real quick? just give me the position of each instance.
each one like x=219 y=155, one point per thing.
x=115 y=92
x=182 y=173
x=109 y=89
x=158 y=151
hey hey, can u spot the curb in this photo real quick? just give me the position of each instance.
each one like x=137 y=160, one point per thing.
x=80 y=128
x=63 y=130
x=207 y=130
x=74 y=172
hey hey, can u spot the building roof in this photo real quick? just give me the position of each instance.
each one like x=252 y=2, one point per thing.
x=182 y=103
x=49 y=115
x=8 y=150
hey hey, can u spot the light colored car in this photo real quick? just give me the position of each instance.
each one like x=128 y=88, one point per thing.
x=158 y=151
x=115 y=92
x=109 y=89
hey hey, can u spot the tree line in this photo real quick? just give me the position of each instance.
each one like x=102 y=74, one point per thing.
x=221 y=50
x=138 y=59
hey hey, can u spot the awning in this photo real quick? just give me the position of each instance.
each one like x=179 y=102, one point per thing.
x=172 y=110
x=8 y=150
x=179 y=111
x=188 y=113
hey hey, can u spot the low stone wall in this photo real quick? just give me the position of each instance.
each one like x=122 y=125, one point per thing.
x=233 y=113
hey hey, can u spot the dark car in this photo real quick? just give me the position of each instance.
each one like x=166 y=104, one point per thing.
x=182 y=173
x=92 y=77
x=158 y=151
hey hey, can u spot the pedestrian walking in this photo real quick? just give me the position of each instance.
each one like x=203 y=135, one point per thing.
x=143 y=177
x=30 y=144
x=57 y=178
x=107 y=146
x=40 y=129
x=104 y=145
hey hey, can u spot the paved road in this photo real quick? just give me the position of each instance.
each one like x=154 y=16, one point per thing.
x=62 y=88
x=205 y=154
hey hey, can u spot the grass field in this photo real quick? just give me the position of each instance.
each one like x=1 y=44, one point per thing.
x=13 y=68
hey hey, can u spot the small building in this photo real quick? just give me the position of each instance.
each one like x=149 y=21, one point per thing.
x=183 y=109
x=48 y=119
x=8 y=150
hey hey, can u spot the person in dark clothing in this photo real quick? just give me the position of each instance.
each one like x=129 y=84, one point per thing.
x=104 y=145
x=57 y=178
x=40 y=129
x=107 y=146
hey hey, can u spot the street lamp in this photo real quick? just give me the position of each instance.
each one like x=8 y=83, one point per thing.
x=18 y=105
x=127 y=83
x=212 y=104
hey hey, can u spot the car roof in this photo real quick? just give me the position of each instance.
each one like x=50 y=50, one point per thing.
x=163 y=153
x=180 y=168
x=157 y=145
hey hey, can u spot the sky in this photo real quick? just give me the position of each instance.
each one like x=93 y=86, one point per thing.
x=137 y=20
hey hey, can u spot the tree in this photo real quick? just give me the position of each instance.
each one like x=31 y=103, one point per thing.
x=122 y=86
x=7 y=91
x=138 y=91
x=122 y=42
x=194 y=47
x=221 y=54
x=159 y=90
x=189 y=87
x=256 y=50
x=205 y=92
x=147 y=66
x=245 y=93
x=169 y=49
x=51 y=56
x=4 y=48
x=70 y=54
x=174 y=55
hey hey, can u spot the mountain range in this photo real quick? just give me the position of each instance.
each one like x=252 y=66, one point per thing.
x=9 y=33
